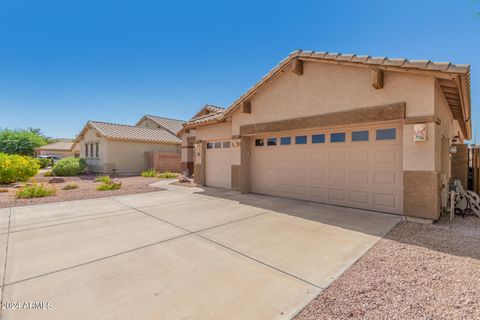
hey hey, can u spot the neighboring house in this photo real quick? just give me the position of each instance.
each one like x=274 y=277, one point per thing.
x=125 y=149
x=173 y=126
x=188 y=138
x=61 y=149
x=339 y=129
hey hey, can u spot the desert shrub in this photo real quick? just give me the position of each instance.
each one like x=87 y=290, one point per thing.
x=103 y=178
x=15 y=168
x=112 y=185
x=149 y=173
x=167 y=175
x=43 y=162
x=36 y=191
x=3 y=190
x=70 y=166
x=70 y=186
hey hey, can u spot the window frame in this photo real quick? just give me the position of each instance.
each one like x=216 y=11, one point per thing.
x=343 y=133
x=298 y=142
x=318 y=135
x=361 y=136
x=274 y=139
x=97 y=149
x=285 y=144
x=384 y=130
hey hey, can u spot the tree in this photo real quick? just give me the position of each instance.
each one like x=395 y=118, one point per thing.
x=20 y=141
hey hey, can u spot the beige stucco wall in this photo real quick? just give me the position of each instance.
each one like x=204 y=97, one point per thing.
x=95 y=163
x=327 y=88
x=129 y=157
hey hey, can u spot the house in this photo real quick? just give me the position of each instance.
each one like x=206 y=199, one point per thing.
x=355 y=131
x=173 y=126
x=126 y=149
x=61 y=149
x=188 y=138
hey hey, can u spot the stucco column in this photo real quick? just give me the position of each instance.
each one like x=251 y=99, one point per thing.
x=199 y=169
x=421 y=177
x=245 y=144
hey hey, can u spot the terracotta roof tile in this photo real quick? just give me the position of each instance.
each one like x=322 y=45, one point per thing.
x=127 y=132
x=172 y=125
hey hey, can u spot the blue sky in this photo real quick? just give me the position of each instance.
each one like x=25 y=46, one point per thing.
x=65 y=62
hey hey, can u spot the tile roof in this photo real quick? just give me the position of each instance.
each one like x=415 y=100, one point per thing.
x=215 y=113
x=172 y=125
x=59 y=145
x=127 y=132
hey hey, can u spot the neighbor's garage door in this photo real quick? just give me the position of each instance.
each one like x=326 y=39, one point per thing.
x=218 y=164
x=357 y=167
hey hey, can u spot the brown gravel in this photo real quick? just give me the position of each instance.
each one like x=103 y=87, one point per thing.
x=86 y=190
x=416 y=272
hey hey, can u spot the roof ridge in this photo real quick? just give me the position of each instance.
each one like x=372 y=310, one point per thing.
x=166 y=118
x=129 y=126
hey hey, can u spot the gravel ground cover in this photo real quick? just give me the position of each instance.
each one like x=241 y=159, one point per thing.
x=417 y=271
x=86 y=190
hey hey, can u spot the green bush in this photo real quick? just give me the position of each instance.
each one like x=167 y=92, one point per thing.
x=21 y=141
x=36 y=191
x=48 y=174
x=69 y=167
x=43 y=162
x=167 y=175
x=112 y=185
x=70 y=186
x=103 y=178
x=14 y=168
x=149 y=173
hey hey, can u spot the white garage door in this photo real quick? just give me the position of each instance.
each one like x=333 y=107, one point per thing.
x=218 y=164
x=357 y=167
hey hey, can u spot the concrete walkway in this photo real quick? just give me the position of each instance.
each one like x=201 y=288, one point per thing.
x=184 y=253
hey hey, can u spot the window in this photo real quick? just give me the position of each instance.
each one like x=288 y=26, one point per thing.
x=226 y=144
x=209 y=145
x=91 y=150
x=318 y=138
x=360 y=135
x=217 y=145
x=258 y=142
x=337 y=137
x=271 y=141
x=301 y=140
x=285 y=140
x=86 y=150
x=96 y=149
x=386 y=134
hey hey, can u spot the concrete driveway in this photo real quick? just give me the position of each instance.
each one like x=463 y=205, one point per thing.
x=184 y=253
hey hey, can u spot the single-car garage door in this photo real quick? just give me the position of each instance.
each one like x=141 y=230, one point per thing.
x=218 y=164
x=358 y=167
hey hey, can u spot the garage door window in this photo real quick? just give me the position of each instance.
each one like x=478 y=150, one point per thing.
x=301 y=140
x=217 y=145
x=258 y=142
x=360 y=135
x=285 y=140
x=337 y=137
x=226 y=144
x=318 y=138
x=386 y=134
x=209 y=145
x=271 y=141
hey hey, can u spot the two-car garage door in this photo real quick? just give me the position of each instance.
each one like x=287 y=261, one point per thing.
x=357 y=167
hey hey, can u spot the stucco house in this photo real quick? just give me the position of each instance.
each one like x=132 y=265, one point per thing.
x=355 y=131
x=61 y=149
x=126 y=149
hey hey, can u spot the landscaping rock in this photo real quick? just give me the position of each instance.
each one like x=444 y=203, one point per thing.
x=56 y=180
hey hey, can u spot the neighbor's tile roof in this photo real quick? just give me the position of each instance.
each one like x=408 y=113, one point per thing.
x=127 y=132
x=172 y=125
x=215 y=113
x=60 y=146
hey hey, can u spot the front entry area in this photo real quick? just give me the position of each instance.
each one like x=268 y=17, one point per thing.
x=358 y=167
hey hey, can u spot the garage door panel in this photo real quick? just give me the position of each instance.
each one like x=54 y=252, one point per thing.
x=367 y=174
x=218 y=167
